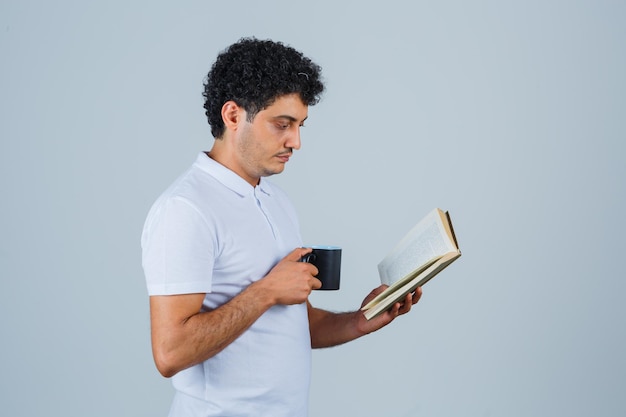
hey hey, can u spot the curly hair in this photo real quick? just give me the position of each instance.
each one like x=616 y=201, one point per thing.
x=254 y=73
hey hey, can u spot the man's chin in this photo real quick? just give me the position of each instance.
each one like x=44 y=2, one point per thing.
x=274 y=171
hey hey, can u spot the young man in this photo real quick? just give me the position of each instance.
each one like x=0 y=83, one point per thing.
x=230 y=317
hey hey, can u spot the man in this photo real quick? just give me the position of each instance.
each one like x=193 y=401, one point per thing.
x=230 y=317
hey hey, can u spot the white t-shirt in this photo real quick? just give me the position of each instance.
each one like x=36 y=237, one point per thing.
x=212 y=232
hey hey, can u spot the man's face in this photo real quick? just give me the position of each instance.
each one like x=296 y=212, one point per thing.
x=264 y=145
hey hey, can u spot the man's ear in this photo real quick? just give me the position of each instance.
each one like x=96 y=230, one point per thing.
x=232 y=115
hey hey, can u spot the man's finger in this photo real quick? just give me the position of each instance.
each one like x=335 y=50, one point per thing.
x=297 y=254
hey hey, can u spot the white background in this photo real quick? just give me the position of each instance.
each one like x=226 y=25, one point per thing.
x=511 y=115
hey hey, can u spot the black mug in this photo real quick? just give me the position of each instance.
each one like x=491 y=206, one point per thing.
x=327 y=259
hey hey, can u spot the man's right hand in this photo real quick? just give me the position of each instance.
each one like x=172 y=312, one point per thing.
x=291 y=281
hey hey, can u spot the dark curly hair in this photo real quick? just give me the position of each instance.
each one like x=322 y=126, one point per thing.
x=254 y=73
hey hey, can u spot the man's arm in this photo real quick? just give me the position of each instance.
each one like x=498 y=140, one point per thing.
x=331 y=329
x=183 y=336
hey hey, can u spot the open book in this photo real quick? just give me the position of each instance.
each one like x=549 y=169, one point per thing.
x=424 y=252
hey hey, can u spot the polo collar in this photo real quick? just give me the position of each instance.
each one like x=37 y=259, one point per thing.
x=229 y=178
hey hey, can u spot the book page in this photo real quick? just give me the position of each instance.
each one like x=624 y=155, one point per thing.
x=426 y=241
x=399 y=290
x=399 y=283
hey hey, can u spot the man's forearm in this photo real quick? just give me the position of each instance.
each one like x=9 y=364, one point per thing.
x=179 y=343
x=332 y=329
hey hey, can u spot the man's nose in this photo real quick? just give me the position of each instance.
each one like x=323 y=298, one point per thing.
x=293 y=141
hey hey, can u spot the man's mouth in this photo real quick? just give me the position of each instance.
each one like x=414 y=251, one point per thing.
x=284 y=156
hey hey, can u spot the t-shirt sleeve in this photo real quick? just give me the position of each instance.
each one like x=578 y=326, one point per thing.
x=178 y=246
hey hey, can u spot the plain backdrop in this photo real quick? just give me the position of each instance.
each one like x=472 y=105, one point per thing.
x=511 y=115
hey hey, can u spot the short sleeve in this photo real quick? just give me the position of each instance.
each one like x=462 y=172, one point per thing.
x=178 y=249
